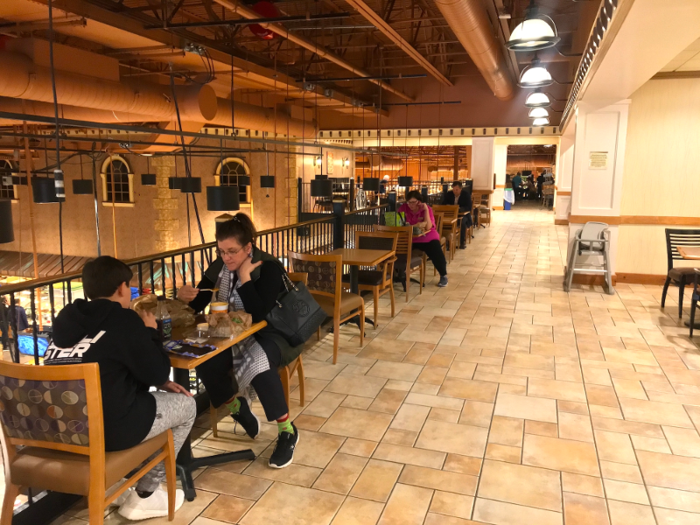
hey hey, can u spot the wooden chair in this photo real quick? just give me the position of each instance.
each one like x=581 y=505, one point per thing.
x=482 y=206
x=694 y=299
x=71 y=459
x=286 y=373
x=380 y=280
x=325 y=282
x=443 y=241
x=678 y=275
x=405 y=258
x=450 y=224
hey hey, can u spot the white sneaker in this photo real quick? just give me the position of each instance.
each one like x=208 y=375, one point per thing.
x=121 y=499
x=154 y=506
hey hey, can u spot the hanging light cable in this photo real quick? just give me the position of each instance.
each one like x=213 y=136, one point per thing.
x=537 y=31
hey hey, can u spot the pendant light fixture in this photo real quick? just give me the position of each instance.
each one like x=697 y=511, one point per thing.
x=322 y=187
x=191 y=185
x=44 y=190
x=538 y=113
x=536 y=32
x=148 y=178
x=82 y=186
x=223 y=198
x=370 y=184
x=543 y=121
x=535 y=75
x=537 y=99
x=267 y=181
x=7 y=232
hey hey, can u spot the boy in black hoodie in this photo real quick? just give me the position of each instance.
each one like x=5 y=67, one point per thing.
x=132 y=360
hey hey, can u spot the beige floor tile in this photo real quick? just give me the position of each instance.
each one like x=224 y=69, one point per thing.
x=309 y=422
x=500 y=378
x=409 y=455
x=676 y=517
x=294 y=474
x=341 y=474
x=468 y=389
x=450 y=504
x=673 y=472
x=462 y=464
x=227 y=508
x=359 y=424
x=674 y=499
x=503 y=453
x=620 y=472
x=395 y=384
x=580 y=484
x=575 y=426
x=622 y=513
x=440 y=519
x=448 y=416
x=628 y=427
x=410 y=417
x=439 y=479
x=400 y=437
x=425 y=388
x=584 y=510
x=560 y=454
x=302 y=506
x=650 y=444
x=625 y=491
x=377 y=480
x=358 y=447
x=461 y=439
x=629 y=388
x=501 y=513
x=572 y=407
x=462 y=370
x=534 y=408
x=361 y=403
x=601 y=395
x=232 y=484
x=613 y=446
x=388 y=401
x=432 y=375
x=449 y=403
x=316 y=449
x=476 y=413
x=541 y=429
x=655 y=413
x=398 y=371
x=529 y=486
x=356 y=511
x=407 y=506
x=548 y=388
x=537 y=362
x=506 y=431
x=366 y=386
x=683 y=441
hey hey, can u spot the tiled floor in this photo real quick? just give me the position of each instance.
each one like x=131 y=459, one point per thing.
x=500 y=399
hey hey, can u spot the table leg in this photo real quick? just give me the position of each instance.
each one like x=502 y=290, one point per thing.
x=186 y=463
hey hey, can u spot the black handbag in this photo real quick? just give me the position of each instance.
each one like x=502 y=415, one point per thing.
x=296 y=314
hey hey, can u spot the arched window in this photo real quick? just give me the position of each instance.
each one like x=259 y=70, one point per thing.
x=117 y=181
x=7 y=169
x=234 y=172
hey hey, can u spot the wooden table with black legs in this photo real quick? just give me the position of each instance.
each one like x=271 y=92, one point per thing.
x=182 y=365
x=690 y=253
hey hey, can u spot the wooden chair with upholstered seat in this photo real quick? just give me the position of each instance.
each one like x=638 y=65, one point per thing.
x=325 y=282
x=379 y=280
x=450 y=225
x=439 y=216
x=406 y=260
x=679 y=275
x=53 y=432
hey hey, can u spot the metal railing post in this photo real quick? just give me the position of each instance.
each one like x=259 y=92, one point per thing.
x=300 y=195
x=392 y=200
x=338 y=236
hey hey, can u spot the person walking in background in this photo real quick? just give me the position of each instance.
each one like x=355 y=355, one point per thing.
x=517 y=183
x=464 y=200
x=419 y=214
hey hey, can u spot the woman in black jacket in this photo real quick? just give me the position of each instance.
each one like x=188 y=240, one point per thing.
x=249 y=279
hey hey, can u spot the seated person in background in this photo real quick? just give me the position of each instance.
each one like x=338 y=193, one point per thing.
x=132 y=360
x=517 y=183
x=421 y=215
x=540 y=182
x=464 y=200
x=248 y=279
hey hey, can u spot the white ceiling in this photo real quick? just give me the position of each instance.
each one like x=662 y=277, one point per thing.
x=687 y=60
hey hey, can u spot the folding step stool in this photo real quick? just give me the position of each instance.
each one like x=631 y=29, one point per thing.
x=592 y=239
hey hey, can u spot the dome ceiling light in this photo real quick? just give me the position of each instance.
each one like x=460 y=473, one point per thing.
x=538 y=113
x=536 y=32
x=535 y=75
x=537 y=99
x=540 y=122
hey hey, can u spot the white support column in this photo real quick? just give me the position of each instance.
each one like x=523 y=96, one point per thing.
x=499 y=167
x=596 y=188
x=482 y=165
x=565 y=169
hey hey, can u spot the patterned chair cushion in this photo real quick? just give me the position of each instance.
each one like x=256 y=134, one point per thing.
x=321 y=274
x=53 y=411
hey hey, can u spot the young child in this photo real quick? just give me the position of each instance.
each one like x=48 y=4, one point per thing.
x=132 y=360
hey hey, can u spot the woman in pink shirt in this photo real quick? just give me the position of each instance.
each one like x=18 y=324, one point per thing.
x=421 y=215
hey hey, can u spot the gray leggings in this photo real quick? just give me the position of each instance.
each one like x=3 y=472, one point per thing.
x=174 y=411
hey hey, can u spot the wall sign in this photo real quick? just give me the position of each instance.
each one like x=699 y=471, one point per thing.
x=598 y=160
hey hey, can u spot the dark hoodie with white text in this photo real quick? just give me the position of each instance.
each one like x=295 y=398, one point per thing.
x=131 y=359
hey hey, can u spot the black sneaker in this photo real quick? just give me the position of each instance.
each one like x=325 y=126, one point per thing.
x=443 y=281
x=284 y=450
x=248 y=420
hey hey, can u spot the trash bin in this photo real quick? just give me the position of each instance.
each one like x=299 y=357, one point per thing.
x=508 y=198
x=506 y=205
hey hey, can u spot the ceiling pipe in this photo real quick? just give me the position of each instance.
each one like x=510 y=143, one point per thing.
x=259 y=118
x=470 y=23
x=236 y=7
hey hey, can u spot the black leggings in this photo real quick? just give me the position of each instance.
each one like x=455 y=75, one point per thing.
x=215 y=374
x=434 y=252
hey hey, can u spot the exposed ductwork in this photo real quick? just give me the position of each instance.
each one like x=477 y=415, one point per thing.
x=98 y=100
x=236 y=7
x=470 y=23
